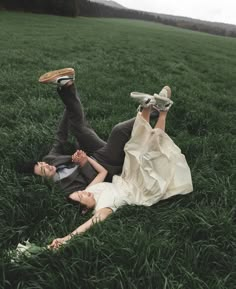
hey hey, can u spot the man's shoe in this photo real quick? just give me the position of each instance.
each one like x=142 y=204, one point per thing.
x=163 y=101
x=59 y=77
x=144 y=99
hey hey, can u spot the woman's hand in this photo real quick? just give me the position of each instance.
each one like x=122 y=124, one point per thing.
x=80 y=157
x=57 y=243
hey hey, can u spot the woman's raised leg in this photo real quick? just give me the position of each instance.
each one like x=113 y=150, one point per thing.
x=161 y=122
x=146 y=111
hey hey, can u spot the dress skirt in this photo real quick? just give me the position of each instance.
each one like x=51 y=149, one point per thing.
x=154 y=167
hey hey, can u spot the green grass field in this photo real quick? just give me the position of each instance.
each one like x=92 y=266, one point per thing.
x=187 y=242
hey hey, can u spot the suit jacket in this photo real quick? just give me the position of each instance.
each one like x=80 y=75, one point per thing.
x=78 y=180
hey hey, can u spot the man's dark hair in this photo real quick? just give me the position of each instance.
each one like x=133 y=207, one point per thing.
x=26 y=167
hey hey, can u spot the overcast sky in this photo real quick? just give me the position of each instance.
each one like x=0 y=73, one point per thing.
x=218 y=10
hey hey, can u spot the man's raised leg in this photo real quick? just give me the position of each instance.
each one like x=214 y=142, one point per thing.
x=61 y=136
x=113 y=152
x=85 y=135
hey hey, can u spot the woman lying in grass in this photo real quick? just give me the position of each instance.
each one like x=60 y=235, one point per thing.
x=154 y=169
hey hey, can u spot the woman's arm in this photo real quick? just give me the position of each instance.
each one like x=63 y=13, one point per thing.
x=102 y=172
x=99 y=216
x=81 y=158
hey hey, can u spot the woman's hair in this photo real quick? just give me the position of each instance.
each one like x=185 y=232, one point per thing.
x=82 y=208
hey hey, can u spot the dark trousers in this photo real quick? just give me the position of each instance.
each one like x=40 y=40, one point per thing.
x=110 y=152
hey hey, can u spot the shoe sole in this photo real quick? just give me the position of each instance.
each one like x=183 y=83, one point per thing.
x=49 y=76
x=167 y=88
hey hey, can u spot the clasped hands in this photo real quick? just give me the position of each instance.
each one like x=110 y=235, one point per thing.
x=80 y=158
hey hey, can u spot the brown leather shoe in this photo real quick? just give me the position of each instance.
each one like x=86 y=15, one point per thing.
x=59 y=77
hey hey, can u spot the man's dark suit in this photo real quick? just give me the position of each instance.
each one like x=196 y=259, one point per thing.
x=78 y=180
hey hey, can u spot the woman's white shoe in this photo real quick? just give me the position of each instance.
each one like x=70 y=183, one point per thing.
x=144 y=99
x=163 y=101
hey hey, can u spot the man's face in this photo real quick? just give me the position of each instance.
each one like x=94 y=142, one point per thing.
x=84 y=198
x=44 y=170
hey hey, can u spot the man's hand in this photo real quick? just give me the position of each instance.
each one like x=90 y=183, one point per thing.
x=80 y=157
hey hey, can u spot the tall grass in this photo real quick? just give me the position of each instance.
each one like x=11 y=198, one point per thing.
x=185 y=242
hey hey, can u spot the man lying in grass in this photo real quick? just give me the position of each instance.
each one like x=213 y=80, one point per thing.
x=62 y=169
x=154 y=169
x=73 y=173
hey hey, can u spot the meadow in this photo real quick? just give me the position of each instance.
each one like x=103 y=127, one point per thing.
x=186 y=242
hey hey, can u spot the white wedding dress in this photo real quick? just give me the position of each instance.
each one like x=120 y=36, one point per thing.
x=154 y=169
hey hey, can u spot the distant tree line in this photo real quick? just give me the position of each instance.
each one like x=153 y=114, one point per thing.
x=86 y=8
x=57 y=7
x=99 y=10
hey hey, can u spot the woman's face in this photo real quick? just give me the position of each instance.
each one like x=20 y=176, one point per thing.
x=85 y=198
